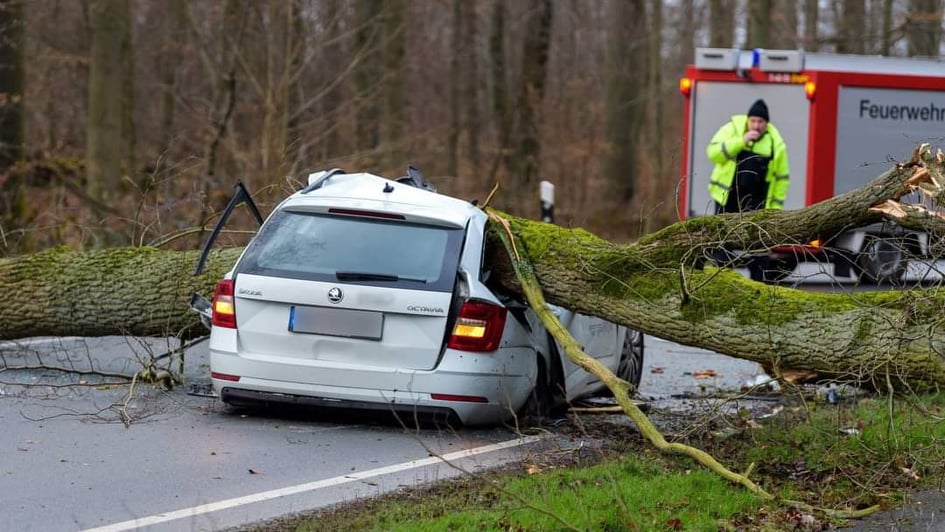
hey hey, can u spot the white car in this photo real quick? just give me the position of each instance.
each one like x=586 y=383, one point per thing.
x=364 y=292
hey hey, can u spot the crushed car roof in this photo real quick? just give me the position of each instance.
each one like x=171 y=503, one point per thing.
x=372 y=192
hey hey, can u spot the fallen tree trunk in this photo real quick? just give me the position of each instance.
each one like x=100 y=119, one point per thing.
x=139 y=291
x=657 y=285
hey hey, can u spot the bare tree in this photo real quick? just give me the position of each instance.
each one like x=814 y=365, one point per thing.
x=721 y=23
x=471 y=78
x=759 y=24
x=886 y=41
x=531 y=92
x=394 y=51
x=924 y=27
x=499 y=80
x=368 y=75
x=811 y=19
x=625 y=101
x=851 y=33
x=11 y=82
x=784 y=26
x=108 y=92
x=455 y=84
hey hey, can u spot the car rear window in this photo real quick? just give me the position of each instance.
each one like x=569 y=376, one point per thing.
x=356 y=250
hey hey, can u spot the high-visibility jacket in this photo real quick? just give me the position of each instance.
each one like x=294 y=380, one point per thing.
x=724 y=148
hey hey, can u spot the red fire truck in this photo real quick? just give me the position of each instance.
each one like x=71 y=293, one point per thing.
x=845 y=119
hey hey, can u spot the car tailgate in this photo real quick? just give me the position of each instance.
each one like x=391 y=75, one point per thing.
x=340 y=323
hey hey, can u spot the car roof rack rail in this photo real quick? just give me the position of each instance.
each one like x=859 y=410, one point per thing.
x=317 y=179
x=416 y=179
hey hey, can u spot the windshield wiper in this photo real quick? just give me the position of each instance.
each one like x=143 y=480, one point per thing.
x=370 y=276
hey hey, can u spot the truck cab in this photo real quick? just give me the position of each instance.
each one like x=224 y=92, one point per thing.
x=845 y=120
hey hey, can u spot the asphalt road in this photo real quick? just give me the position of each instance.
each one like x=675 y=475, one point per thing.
x=81 y=454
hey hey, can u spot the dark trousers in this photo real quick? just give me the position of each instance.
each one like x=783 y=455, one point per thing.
x=757 y=264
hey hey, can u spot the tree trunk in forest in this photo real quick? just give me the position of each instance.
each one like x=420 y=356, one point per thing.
x=500 y=90
x=784 y=27
x=531 y=93
x=654 y=107
x=331 y=58
x=924 y=27
x=12 y=22
x=657 y=285
x=394 y=50
x=455 y=83
x=470 y=88
x=887 y=37
x=107 y=96
x=12 y=190
x=368 y=71
x=759 y=24
x=625 y=92
x=168 y=67
x=811 y=19
x=852 y=28
x=721 y=23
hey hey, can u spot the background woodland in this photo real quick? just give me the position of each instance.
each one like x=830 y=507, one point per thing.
x=129 y=121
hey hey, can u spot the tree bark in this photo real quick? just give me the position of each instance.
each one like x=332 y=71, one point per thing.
x=11 y=82
x=367 y=74
x=394 y=52
x=531 y=94
x=811 y=12
x=852 y=29
x=107 y=96
x=924 y=27
x=658 y=284
x=721 y=23
x=759 y=24
x=624 y=87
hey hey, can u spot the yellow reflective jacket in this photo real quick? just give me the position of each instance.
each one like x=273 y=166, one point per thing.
x=725 y=146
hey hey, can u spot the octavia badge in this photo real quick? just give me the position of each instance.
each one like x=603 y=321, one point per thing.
x=335 y=295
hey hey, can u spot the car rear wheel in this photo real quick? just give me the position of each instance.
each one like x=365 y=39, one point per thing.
x=630 y=367
x=538 y=408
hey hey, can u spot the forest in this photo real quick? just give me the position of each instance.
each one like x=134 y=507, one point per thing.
x=127 y=122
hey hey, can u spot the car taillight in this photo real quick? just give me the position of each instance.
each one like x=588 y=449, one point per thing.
x=224 y=307
x=479 y=327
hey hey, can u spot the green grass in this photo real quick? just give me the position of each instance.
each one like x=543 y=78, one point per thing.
x=804 y=453
x=621 y=494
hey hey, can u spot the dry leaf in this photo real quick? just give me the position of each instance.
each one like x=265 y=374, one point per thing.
x=705 y=374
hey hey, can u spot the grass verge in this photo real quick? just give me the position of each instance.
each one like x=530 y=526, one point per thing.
x=846 y=456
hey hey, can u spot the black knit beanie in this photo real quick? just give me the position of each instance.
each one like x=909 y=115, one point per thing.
x=759 y=109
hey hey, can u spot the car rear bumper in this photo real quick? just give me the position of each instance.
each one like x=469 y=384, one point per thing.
x=479 y=388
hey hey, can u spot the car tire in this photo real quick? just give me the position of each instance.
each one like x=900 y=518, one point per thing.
x=539 y=405
x=630 y=367
x=882 y=260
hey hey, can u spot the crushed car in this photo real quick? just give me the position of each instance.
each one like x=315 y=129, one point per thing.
x=364 y=292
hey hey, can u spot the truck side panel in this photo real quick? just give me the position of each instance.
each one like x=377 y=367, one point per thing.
x=714 y=102
x=876 y=127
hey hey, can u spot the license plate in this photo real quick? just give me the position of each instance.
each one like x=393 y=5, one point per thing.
x=337 y=322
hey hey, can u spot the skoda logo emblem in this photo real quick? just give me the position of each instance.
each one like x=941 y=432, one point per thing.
x=335 y=295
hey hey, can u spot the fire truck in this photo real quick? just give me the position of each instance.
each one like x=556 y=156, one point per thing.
x=845 y=119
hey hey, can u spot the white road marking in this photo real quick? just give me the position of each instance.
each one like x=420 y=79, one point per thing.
x=309 y=486
x=38 y=341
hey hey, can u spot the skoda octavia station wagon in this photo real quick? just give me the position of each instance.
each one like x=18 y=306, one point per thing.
x=369 y=293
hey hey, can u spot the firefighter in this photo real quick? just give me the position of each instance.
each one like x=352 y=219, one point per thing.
x=751 y=169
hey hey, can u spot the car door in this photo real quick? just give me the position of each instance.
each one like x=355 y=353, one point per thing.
x=599 y=339
x=198 y=302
